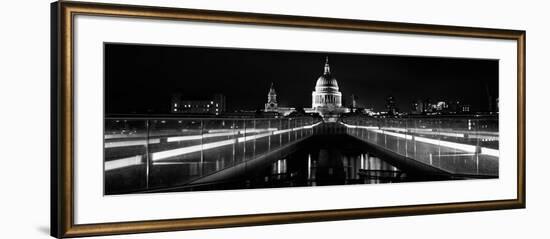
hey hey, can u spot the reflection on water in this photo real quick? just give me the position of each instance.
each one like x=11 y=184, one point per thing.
x=327 y=166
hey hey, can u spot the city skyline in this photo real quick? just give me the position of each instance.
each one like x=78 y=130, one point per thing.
x=297 y=123
x=142 y=78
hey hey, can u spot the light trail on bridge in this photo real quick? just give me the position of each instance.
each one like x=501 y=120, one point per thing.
x=438 y=142
x=127 y=143
x=167 y=154
x=123 y=162
x=262 y=133
x=191 y=149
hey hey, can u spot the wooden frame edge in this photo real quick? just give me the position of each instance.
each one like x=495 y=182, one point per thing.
x=521 y=117
x=284 y=218
x=54 y=123
x=62 y=129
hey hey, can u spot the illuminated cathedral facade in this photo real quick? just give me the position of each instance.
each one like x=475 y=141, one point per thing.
x=326 y=99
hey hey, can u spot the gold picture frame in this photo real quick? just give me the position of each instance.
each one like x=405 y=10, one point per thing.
x=62 y=216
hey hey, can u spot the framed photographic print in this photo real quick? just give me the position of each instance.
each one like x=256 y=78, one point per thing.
x=171 y=119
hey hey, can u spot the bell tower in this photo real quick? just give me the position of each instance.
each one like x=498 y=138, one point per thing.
x=271 y=99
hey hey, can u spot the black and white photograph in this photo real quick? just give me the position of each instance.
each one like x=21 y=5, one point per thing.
x=271 y=119
x=189 y=118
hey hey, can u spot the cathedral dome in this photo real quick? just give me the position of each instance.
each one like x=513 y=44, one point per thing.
x=327 y=99
x=326 y=94
x=326 y=81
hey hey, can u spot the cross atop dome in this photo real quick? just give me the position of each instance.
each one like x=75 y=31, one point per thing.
x=327 y=66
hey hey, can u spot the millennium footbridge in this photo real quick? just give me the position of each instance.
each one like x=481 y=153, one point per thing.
x=173 y=154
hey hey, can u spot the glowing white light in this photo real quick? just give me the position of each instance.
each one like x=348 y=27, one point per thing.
x=173 y=163
x=247 y=138
x=395 y=129
x=483 y=137
x=404 y=136
x=309 y=166
x=122 y=163
x=356 y=126
x=457 y=135
x=191 y=149
x=464 y=147
x=454 y=155
x=490 y=152
x=183 y=138
x=219 y=130
x=197 y=137
x=196 y=148
x=282 y=131
x=425 y=131
x=130 y=143
x=311 y=126
x=257 y=130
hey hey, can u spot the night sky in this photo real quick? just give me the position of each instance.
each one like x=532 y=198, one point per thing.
x=142 y=78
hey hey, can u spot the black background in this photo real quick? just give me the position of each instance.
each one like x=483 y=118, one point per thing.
x=142 y=78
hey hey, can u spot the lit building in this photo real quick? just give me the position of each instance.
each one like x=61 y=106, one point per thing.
x=465 y=108
x=214 y=106
x=441 y=106
x=417 y=107
x=368 y=111
x=455 y=107
x=390 y=105
x=327 y=99
x=272 y=106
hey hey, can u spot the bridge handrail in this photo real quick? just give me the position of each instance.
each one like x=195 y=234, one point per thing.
x=469 y=147
x=152 y=147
